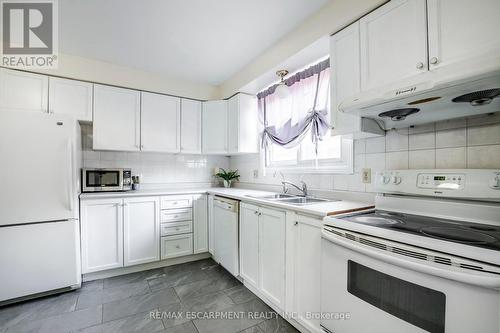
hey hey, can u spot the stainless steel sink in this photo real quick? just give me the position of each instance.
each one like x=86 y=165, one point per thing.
x=276 y=196
x=298 y=201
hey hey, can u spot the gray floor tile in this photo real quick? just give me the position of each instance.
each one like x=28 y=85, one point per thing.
x=121 y=280
x=137 y=304
x=202 y=287
x=240 y=294
x=142 y=322
x=243 y=316
x=277 y=325
x=38 y=309
x=253 y=329
x=183 y=328
x=173 y=314
x=217 y=272
x=190 y=266
x=176 y=278
x=107 y=295
x=65 y=322
x=88 y=286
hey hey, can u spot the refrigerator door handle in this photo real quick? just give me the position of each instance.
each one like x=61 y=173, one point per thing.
x=70 y=174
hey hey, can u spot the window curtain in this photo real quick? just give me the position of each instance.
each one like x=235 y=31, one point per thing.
x=287 y=121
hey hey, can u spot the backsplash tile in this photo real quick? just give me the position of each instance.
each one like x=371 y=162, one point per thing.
x=454 y=144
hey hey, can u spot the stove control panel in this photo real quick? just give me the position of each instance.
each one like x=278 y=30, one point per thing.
x=441 y=181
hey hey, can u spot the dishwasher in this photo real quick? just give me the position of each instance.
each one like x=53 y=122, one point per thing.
x=226 y=231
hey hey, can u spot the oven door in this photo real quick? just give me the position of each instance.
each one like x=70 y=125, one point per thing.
x=365 y=289
x=96 y=180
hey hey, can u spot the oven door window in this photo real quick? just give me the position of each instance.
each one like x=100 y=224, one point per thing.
x=102 y=178
x=417 y=305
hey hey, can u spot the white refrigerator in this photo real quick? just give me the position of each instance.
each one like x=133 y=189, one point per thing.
x=40 y=157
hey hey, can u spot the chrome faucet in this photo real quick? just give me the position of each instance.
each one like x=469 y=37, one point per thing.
x=303 y=189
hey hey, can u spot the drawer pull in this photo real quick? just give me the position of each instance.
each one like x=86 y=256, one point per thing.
x=174 y=203
x=177 y=246
x=177 y=228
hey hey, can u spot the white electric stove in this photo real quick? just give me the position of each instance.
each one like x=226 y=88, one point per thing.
x=426 y=259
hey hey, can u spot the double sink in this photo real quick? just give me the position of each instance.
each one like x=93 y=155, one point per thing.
x=290 y=199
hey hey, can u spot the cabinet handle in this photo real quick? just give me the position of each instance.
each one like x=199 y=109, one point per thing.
x=420 y=65
x=434 y=60
x=296 y=223
x=142 y=146
x=256 y=212
x=177 y=247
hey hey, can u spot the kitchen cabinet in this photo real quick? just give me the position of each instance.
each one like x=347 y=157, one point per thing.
x=306 y=276
x=200 y=221
x=249 y=243
x=214 y=130
x=71 y=97
x=190 y=126
x=455 y=35
x=160 y=123
x=22 y=91
x=102 y=234
x=210 y=212
x=141 y=230
x=345 y=83
x=272 y=255
x=393 y=43
x=116 y=118
x=176 y=246
x=243 y=124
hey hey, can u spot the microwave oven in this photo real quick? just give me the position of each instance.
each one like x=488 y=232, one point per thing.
x=106 y=179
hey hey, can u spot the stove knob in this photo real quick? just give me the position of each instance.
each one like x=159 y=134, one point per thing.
x=495 y=182
x=384 y=179
x=396 y=180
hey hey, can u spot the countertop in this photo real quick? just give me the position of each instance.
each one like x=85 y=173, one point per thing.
x=320 y=210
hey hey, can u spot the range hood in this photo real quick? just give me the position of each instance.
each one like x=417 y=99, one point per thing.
x=454 y=91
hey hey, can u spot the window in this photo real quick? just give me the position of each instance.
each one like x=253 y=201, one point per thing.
x=334 y=153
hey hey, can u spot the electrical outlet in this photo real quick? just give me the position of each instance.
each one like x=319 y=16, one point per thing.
x=366 y=175
x=255 y=173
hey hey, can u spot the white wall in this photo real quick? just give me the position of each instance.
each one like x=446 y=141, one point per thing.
x=464 y=143
x=156 y=170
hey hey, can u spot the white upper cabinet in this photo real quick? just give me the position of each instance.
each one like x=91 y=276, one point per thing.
x=116 y=118
x=190 y=126
x=215 y=114
x=243 y=124
x=393 y=43
x=71 y=97
x=457 y=32
x=22 y=91
x=141 y=230
x=160 y=123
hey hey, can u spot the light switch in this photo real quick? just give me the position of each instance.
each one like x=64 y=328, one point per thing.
x=366 y=175
x=255 y=173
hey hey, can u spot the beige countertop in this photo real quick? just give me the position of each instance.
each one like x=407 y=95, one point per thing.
x=320 y=209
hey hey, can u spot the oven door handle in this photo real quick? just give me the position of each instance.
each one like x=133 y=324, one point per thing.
x=482 y=279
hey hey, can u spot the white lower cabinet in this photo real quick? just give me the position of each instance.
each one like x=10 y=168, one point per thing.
x=306 y=249
x=102 y=234
x=211 y=224
x=200 y=222
x=262 y=251
x=176 y=246
x=141 y=230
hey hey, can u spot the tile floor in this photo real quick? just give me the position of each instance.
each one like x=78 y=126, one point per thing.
x=174 y=299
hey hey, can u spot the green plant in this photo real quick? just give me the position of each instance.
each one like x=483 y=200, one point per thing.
x=228 y=175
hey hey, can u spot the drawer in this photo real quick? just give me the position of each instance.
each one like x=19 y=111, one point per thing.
x=176 y=228
x=176 y=246
x=170 y=202
x=173 y=215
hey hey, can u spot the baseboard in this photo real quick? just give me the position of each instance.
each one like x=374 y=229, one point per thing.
x=143 y=267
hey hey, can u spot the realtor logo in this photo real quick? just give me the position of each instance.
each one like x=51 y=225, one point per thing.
x=29 y=33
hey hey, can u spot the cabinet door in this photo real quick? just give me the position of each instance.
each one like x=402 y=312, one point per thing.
x=233 y=128
x=307 y=253
x=160 y=123
x=393 y=43
x=211 y=224
x=345 y=77
x=215 y=127
x=272 y=255
x=71 y=97
x=455 y=34
x=116 y=118
x=200 y=217
x=190 y=127
x=141 y=230
x=102 y=234
x=243 y=124
x=249 y=243
x=21 y=91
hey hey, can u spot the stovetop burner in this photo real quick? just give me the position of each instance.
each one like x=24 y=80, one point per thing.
x=479 y=235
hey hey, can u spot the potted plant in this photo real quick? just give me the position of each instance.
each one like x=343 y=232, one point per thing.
x=228 y=176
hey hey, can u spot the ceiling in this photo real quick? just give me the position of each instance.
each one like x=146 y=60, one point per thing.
x=202 y=41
